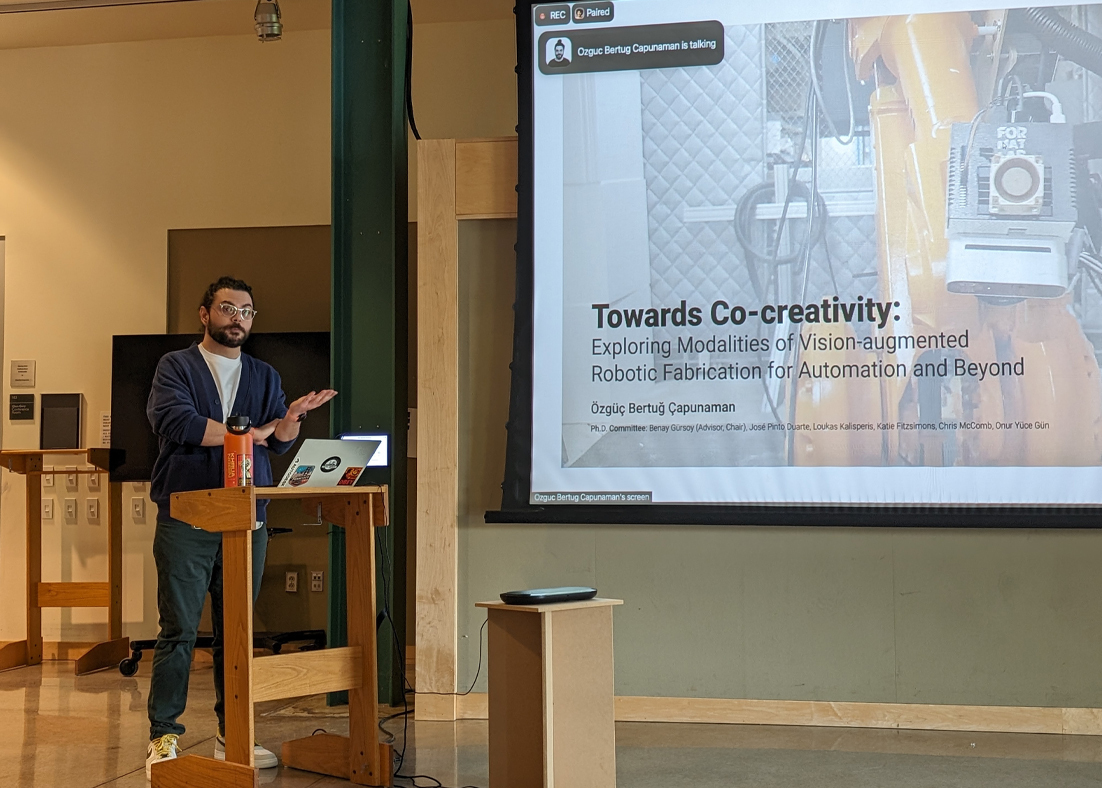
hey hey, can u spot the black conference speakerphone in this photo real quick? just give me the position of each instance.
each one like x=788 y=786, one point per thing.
x=546 y=596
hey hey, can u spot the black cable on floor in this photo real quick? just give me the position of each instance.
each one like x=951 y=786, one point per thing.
x=401 y=758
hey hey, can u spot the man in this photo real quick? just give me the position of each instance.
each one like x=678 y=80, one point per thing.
x=560 y=61
x=194 y=392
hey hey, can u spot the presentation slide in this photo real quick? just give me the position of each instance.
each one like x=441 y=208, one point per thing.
x=781 y=259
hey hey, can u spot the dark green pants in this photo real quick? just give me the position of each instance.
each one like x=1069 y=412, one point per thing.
x=189 y=566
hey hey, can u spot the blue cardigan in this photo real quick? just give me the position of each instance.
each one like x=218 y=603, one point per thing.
x=183 y=397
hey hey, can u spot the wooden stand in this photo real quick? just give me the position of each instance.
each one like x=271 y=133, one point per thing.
x=39 y=595
x=551 y=695
x=359 y=757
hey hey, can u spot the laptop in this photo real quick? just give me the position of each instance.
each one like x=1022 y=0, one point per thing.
x=329 y=463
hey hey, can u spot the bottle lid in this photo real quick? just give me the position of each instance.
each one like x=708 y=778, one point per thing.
x=239 y=425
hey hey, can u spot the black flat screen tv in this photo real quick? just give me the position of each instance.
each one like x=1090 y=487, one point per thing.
x=301 y=358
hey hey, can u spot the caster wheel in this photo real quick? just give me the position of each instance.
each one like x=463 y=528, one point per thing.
x=128 y=667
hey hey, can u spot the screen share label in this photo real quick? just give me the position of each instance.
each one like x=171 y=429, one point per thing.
x=581 y=51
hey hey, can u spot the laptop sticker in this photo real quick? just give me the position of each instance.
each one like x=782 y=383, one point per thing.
x=350 y=477
x=301 y=475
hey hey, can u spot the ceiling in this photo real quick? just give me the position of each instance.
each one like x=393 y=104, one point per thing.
x=104 y=21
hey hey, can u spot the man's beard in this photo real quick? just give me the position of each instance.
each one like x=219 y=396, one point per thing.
x=224 y=337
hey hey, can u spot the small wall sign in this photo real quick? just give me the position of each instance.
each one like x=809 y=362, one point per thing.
x=22 y=374
x=21 y=407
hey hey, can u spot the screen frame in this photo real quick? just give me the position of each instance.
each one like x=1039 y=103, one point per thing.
x=516 y=487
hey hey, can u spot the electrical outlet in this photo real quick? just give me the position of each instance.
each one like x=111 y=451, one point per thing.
x=93 y=481
x=316 y=582
x=47 y=508
x=47 y=480
x=291 y=584
x=137 y=508
x=71 y=478
x=71 y=509
x=92 y=508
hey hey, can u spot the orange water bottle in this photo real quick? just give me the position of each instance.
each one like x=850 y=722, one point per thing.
x=237 y=452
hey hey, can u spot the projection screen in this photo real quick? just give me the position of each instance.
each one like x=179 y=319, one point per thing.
x=769 y=258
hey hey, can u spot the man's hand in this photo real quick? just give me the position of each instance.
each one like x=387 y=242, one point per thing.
x=262 y=433
x=312 y=401
x=287 y=429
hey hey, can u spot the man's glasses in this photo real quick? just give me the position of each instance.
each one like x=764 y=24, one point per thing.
x=229 y=310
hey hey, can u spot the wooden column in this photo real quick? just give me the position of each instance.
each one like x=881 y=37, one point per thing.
x=457 y=180
x=438 y=429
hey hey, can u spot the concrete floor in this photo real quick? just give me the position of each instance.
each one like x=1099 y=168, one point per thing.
x=60 y=731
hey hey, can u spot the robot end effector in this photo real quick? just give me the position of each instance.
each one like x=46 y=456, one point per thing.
x=1022 y=204
x=1012 y=209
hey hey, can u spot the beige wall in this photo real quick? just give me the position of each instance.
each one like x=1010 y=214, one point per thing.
x=106 y=147
x=103 y=149
x=464 y=84
x=288 y=269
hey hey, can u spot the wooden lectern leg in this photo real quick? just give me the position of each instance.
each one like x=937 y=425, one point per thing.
x=365 y=756
x=193 y=771
x=114 y=560
x=237 y=627
x=13 y=655
x=102 y=656
x=325 y=753
x=386 y=757
x=116 y=648
x=34 y=559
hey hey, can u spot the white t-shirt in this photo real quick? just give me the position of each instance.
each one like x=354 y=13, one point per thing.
x=227 y=377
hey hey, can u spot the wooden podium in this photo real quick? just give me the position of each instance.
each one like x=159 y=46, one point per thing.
x=359 y=757
x=551 y=695
x=39 y=595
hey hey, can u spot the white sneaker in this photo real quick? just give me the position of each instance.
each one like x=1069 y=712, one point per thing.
x=262 y=758
x=160 y=749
